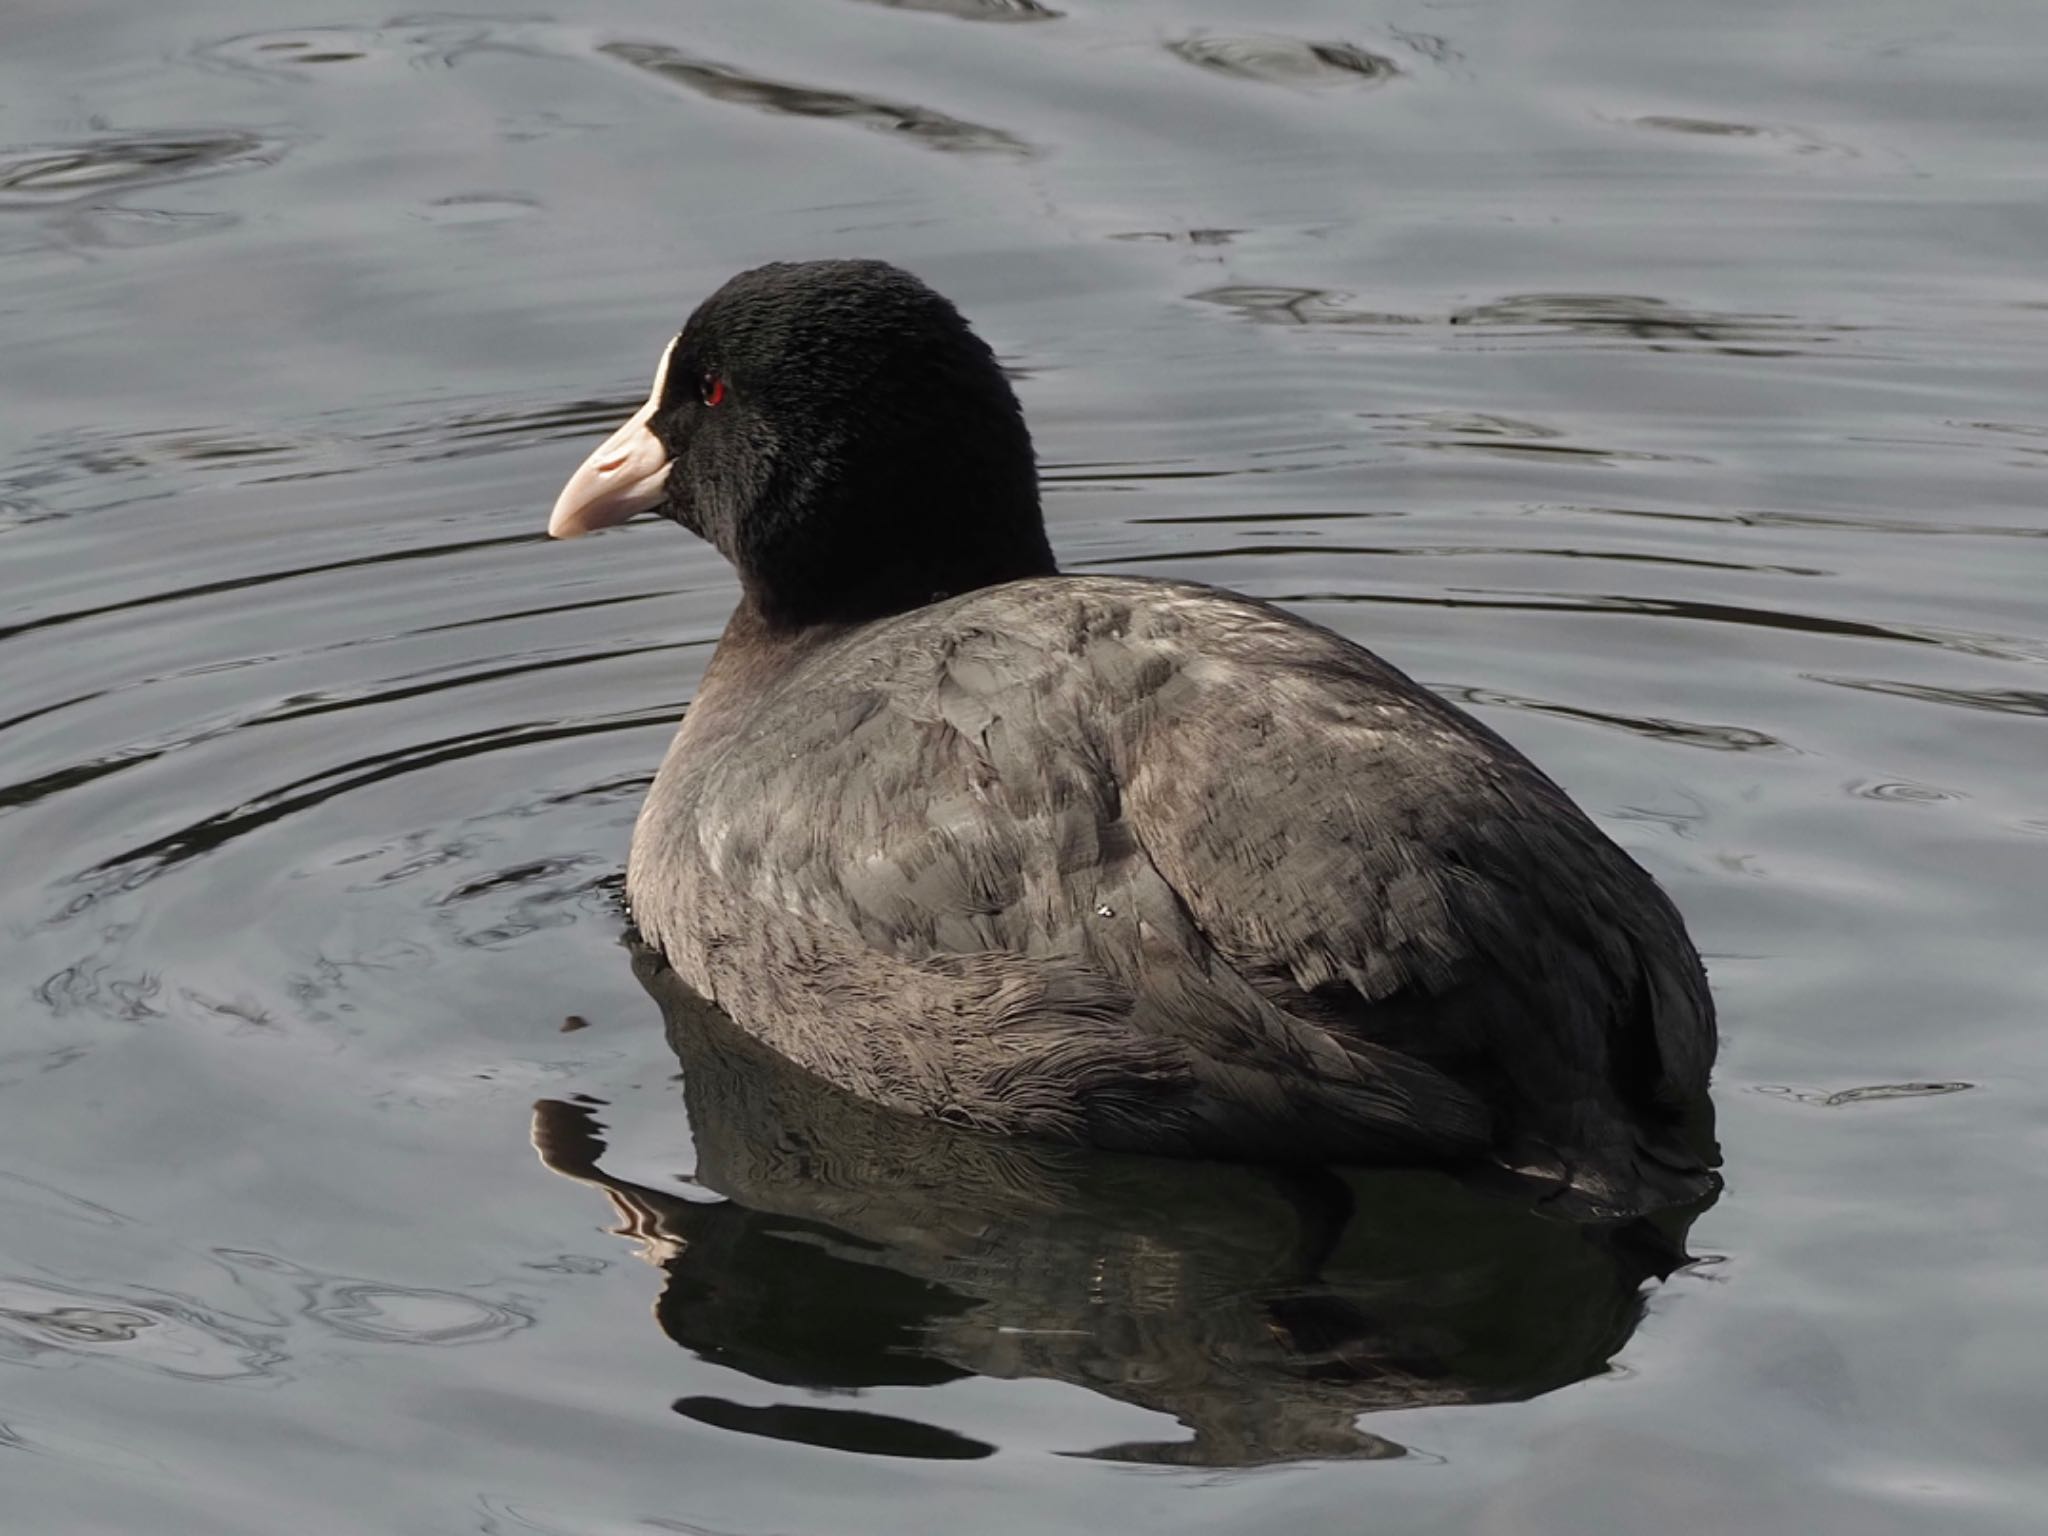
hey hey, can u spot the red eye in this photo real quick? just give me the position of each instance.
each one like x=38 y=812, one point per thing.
x=714 y=389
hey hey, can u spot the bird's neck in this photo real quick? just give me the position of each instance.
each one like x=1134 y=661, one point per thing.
x=873 y=541
x=752 y=655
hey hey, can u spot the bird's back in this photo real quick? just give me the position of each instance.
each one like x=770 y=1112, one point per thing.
x=1154 y=865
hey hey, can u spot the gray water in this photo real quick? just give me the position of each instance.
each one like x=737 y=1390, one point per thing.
x=1666 y=382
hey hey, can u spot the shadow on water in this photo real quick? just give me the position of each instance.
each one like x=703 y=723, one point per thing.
x=1262 y=1309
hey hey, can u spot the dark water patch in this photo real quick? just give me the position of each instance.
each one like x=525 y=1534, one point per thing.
x=1280 y=60
x=837 y=1429
x=39 y=175
x=30 y=791
x=906 y=120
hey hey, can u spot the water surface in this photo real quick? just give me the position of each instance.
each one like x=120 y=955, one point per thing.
x=1663 y=382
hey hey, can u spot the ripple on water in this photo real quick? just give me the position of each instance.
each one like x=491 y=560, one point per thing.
x=44 y=1324
x=1684 y=733
x=1773 y=136
x=1274 y=304
x=479 y=208
x=387 y=1314
x=1280 y=60
x=92 y=986
x=304 y=54
x=139 y=865
x=68 y=1443
x=1505 y=437
x=2027 y=429
x=488 y=911
x=2001 y=701
x=1632 y=317
x=257 y=454
x=1641 y=318
x=286 y=55
x=1901 y=792
x=1871 y=1093
x=18 y=511
x=99 y=227
x=976 y=10
x=376 y=1311
x=45 y=1199
x=44 y=174
x=1178 y=236
x=907 y=120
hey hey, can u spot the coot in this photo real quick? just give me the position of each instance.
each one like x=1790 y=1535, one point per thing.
x=1137 y=863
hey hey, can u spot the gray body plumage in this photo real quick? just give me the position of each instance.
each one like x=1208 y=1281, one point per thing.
x=1157 y=867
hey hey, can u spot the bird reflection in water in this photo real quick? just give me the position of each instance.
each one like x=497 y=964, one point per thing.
x=1264 y=1309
